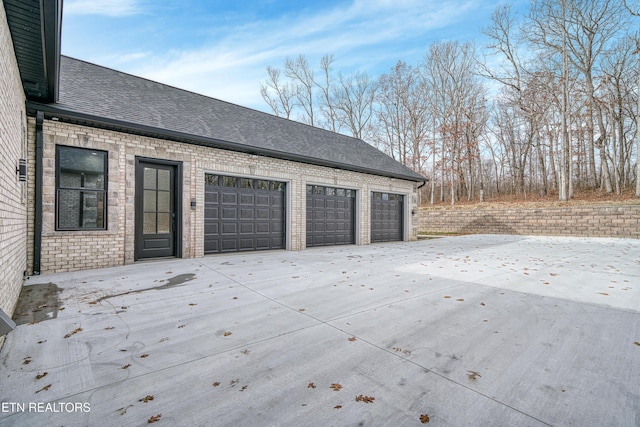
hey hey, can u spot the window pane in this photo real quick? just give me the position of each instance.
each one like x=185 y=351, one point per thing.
x=246 y=183
x=331 y=191
x=262 y=185
x=163 y=201
x=377 y=196
x=150 y=178
x=163 y=223
x=149 y=223
x=149 y=201
x=79 y=209
x=229 y=181
x=340 y=192
x=211 y=179
x=278 y=186
x=164 y=179
x=385 y=196
x=319 y=190
x=309 y=189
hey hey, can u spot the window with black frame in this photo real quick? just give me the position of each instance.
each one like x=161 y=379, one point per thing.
x=81 y=188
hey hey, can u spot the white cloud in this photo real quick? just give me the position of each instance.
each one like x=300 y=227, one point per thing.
x=102 y=7
x=231 y=64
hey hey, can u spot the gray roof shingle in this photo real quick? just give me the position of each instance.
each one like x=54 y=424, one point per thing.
x=102 y=95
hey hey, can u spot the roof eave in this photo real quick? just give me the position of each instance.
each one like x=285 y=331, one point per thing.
x=69 y=116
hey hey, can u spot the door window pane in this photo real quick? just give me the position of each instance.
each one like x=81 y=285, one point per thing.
x=150 y=178
x=164 y=204
x=149 y=223
x=149 y=200
x=164 y=179
x=164 y=220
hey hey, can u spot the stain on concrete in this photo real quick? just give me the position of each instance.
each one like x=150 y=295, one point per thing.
x=37 y=302
x=173 y=282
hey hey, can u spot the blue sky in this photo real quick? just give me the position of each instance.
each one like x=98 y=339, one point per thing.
x=222 y=48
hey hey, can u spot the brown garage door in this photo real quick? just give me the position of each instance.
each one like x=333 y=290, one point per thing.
x=387 y=217
x=330 y=216
x=243 y=214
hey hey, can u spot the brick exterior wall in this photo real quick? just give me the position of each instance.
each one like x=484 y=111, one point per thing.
x=13 y=195
x=77 y=250
x=585 y=221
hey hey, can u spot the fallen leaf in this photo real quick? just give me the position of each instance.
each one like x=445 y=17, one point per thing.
x=75 y=331
x=154 y=418
x=26 y=360
x=603 y=293
x=337 y=407
x=226 y=334
x=312 y=385
x=126 y=366
x=336 y=387
x=424 y=418
x=216 y=384
x=45 y=388
x=181 y=326
x=40 y=376
x=482 y=304
x=352 y=339
x=473 y=375
x=108 y=328
x=234 y=298
x=146 y=399
x=460 y=299
x=93 y=302
x=365 y=399
x=142 y=356
x=192 y=305
x=447 y=296
x=301 y=309
x=637 y=343
x=244 y=387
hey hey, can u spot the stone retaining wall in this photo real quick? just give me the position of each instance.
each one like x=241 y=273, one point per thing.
x=587 y=221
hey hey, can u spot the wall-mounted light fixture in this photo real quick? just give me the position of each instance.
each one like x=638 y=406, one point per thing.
x=21 y=170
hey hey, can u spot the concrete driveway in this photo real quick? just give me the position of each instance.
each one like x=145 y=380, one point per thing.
x=455 y=331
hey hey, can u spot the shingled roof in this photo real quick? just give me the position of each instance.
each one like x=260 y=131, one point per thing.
x=97 y=96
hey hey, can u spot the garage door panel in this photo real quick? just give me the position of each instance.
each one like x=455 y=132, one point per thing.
x=246 y=213
x=211 y=227
x=229 y=198
x=230 y=213
x=211 y=212
x=229 y=228
x=247 y=228
x=243 y=214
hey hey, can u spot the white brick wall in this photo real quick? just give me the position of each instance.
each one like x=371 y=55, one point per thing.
x=115 y=246
x=13 y=218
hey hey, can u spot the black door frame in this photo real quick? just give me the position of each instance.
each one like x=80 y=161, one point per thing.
x=177 y=191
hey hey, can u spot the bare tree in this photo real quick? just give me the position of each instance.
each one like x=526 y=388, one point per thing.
x=279 y=96
x=302 y=77
x=354 y=103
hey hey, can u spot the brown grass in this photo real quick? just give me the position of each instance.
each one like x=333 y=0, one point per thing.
x=535 y=200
